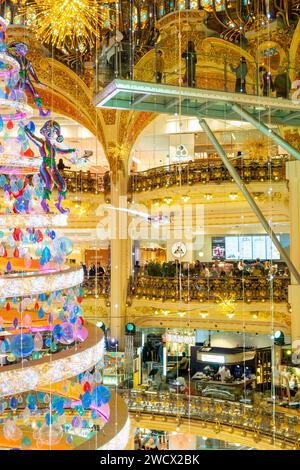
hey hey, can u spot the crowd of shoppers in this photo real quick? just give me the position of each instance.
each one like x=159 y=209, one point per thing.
x=94 y=270
x=213 y=270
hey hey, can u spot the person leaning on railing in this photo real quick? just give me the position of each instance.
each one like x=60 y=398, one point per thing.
x=240 y=72
x=159 y=66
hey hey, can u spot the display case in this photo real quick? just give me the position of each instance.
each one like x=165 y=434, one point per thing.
x=114 y=368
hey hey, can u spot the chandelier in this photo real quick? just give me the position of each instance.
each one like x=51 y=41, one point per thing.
x=243 y=16
x=68 y=25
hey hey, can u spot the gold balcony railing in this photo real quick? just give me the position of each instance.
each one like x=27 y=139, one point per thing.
x=84 y=181
x=258 y=418
x=97 y=286
x=189 y=289
x=207 y=171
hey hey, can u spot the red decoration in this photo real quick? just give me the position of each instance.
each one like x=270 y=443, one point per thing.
x=82 y=320
x=17 y=234
x=10 y=125
x=16 y=253
x=7 y=307
x=37 y=306
x=40 y=237
x=79 y=300
x=29 y=153
x=87 y=387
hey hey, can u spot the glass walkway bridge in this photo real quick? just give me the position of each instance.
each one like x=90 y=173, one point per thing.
x=212 y=104
x=170 y=99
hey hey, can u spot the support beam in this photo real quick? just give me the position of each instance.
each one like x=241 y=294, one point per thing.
x=291 y=117
x=171 y=103
x=249 y=198
x=138 y=99
x=266 y=131
x=204 y=107
x=268 y=112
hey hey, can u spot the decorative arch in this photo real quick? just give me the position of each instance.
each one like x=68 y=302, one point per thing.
x=295 y=52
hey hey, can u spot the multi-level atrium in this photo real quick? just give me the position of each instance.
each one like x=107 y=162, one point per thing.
x=149 y=224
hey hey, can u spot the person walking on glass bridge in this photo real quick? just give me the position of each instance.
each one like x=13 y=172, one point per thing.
x=240 y=73
x=190 y=57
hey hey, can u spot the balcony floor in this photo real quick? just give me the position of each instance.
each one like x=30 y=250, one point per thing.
x=169 y=99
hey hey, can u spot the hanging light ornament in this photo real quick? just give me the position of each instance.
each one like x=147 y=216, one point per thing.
x=67 y=24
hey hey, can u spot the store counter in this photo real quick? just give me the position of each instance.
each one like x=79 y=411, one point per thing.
x=217 y=389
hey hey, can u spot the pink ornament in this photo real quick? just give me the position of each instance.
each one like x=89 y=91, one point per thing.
x=11 y=431
x=27 y=322
x=38 y=342
x=82 y=334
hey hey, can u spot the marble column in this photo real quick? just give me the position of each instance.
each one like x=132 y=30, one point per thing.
x=120 y=256
x=293 y=176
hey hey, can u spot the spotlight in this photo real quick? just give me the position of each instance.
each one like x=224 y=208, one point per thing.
x=113 y=344
x=279 y=338
x=101 y=325
x=130 y=329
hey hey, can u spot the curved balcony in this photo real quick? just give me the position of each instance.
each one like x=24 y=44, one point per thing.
x=259 y=419
x=84 y=181
x=207 y=171
x=196 y=288
x=98 y=286
x=201 y=289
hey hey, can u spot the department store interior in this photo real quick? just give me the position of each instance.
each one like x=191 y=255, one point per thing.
x=149 y=225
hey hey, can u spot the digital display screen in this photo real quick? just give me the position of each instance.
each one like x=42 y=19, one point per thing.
x=247 y=247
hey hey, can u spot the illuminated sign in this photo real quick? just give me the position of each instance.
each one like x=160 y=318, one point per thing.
x=213 y=358
x=181 y=339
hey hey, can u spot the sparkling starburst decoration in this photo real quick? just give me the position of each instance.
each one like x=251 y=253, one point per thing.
x=67 y=24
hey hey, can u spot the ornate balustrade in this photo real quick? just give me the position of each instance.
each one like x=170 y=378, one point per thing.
x=207 y=171
x=258 y=418
x=187 y=289
x=98 y=286
x=84 y=181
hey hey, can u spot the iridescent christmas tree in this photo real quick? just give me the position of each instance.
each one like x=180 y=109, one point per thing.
x=46 y=350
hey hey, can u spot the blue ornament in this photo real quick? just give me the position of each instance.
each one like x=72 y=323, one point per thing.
x=41 y=313
x=22 y=345
x=63 y=246
x=8 y=267
x=20 y=183
x=4 y=346
x=46 y=256
x=48 y=342
x=13 y=403
x=2 y=181
x=21 y=205
x=100 y=395
x=31 y=126
x=40 y=396
x=57 y=332
x=48 y=419
x=80 y=377
x=86 y=400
